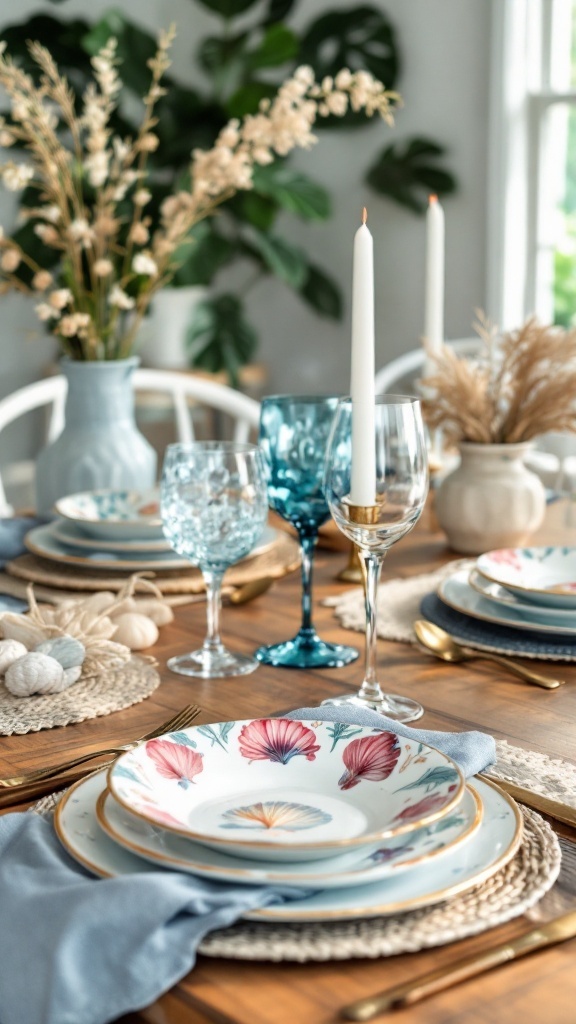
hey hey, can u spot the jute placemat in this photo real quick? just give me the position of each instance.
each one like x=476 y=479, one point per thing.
x=509 y=893
x=114 y=690
x=280 y=558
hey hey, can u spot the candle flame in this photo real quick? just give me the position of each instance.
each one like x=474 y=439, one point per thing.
x=432 y=199
x=364 y=214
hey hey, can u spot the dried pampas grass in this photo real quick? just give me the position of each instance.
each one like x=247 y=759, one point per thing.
x=519 y=386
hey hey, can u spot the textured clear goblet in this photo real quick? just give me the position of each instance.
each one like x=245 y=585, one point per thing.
x=214 y=507
x=294 y=433
x=400 y=493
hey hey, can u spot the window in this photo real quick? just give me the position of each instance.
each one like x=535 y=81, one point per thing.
x=532 y=179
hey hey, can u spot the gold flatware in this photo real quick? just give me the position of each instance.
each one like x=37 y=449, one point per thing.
x=547 y=933
x=553 y=808
x=440 y=643
x=179 y=721
x=249 y=591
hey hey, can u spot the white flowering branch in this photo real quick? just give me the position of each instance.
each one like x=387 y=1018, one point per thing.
x=112 y=264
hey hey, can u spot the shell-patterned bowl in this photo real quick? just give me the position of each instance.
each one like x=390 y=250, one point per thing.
x=114 y=515
x=274 y=788
x=543 y=576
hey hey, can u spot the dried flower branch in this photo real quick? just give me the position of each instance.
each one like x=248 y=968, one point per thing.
x=92 y=197
x=517 y=388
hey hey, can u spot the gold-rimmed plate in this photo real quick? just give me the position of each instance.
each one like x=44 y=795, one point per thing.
x=488 y=850
x=360 y=867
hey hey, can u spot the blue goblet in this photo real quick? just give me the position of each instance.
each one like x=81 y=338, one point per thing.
x=293 y=437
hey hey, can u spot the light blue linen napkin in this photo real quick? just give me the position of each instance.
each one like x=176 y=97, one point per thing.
x=75 y=950
x=12 y=533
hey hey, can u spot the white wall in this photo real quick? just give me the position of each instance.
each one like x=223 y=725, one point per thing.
x=445 y=49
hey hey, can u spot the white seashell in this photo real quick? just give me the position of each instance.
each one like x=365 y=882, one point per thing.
x=160 y=612
x=99 y=602
x=10 y=650
x=34 y=673
x=135 y=631
x=66 y=649
x=19 y=627
x=71 y=675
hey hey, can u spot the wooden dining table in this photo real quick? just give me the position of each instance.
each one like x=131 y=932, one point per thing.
x=480 y=695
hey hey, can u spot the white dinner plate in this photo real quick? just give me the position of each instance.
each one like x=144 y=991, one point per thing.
x=278 y=788
x=69 y=533
x=114 y=514
x=43 y=541
x=494 y=592
x=471 y=863
x=365 y=865
x=457 y=593
x=46 y=541
x=545 y=575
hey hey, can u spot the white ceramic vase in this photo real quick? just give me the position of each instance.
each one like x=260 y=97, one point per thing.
x=162 y=336
x=491 y=500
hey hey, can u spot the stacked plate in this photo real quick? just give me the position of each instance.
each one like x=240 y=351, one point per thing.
x=113 y=531
x=370 y=823
x=513 y=600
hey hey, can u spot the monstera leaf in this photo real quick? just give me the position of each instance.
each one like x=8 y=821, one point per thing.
x=407 y=173
x=359 y=38
x=220 y=337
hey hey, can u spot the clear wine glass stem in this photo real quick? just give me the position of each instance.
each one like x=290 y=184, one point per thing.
x=213 y=582
x=307 y=545
x=370 y=689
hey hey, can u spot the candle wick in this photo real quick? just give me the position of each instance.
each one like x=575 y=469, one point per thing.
x=364 y=215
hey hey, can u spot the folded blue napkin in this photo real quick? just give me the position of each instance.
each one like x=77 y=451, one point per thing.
x=12 y=533
x=75 y=950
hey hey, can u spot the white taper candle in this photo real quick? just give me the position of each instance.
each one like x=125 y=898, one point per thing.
x=363 y=476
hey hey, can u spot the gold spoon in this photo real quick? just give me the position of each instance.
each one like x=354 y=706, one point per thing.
x=248 y=591
x=443 y=646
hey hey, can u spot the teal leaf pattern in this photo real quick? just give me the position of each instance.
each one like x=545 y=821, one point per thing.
x=340 y=731
x=432 y=778
x=219 y=737
x=182 y=738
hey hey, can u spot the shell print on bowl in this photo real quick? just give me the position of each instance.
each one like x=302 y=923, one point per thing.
x=372 y=758
x=287 y=790
x=277 y=739
x=175 y=761
x=275 y=814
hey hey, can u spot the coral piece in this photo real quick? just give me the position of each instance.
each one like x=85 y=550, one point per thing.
x=175 y=761
x=277 y=739
x=372 y=758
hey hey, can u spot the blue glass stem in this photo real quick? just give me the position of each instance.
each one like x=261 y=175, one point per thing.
x=307 y=545
x=370 y=689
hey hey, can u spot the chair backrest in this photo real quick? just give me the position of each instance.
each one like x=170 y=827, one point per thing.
x=411 y=363
x=244 y=411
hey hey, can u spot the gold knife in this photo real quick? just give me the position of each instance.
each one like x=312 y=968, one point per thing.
x=558 y=930
x=555 y=809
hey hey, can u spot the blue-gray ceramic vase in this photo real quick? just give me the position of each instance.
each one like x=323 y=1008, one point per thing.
x=100 y=445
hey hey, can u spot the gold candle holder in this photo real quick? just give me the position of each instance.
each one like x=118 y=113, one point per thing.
x=354 y=571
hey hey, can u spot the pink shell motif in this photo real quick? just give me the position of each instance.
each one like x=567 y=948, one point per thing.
x=175 y=761
x=277 y=739
x=428 y=804
x=372 y=758
x=507 y=556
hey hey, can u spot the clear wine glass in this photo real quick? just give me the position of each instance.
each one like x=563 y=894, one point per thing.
x=401 y=485
x=294 y=433
x=214 y=507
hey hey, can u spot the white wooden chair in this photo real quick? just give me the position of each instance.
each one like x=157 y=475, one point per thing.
x=411 y=364
x=244 y=411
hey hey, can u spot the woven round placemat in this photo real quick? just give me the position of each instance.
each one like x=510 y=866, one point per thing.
x=281 y=557
x=509 y=893
x=88 y=698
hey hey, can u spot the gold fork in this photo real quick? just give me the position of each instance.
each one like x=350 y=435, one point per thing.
x=179 y=721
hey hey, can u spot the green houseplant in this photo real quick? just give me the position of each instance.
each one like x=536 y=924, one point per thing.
x=103 y=256
x=242 y=63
